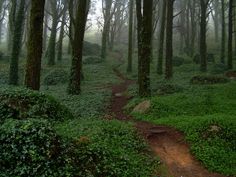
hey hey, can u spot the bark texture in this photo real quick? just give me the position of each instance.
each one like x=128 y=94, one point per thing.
x=35 y=45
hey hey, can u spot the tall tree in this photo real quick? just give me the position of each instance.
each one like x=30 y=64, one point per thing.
x=235 y=29
x=16 y=43
x=35 y=45
x=162 y=38
x=130 y=48
x=118 y=21
x=193 y=13
x=203 y=29
x=144 y=18
x=169 y=39
x=215 y=16
x=62 y=34
x=56 y=11
x=79 y=25
x=11 y=22
x=222 y=55
x=230 y=37
x=107 y=14
x=181 y=24
x=45 y=29
x=3 y=9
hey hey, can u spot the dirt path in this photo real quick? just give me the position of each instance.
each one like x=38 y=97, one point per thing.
x=166 y=142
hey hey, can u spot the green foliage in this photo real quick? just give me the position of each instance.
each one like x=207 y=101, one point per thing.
x=95 y=95
x=31 y=148
x=108 y=148
x=195 y=101
x=4 y=77
x=206 y=114
x=178 y=61
x=91 y=49
x=203 y=79
x=20 y=103
x=92 y=60
x=212 y=139
x=210 y=58
x=56 y=76
x=218 y=68
x=165 y=89
x=4 y=73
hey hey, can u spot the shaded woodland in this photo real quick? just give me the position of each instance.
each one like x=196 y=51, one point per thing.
x=86 y=84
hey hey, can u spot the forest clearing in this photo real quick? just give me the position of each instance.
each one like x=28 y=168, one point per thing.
x=117 y=88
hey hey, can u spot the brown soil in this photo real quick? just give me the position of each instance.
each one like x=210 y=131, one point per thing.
x=166 y=142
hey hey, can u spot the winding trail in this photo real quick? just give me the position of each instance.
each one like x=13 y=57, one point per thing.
x=166 y=142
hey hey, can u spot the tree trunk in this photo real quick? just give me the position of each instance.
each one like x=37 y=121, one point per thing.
x=216 y=19
x=130 y=48
x=187 y=30
x=235 y=29
x=2 y=12
x=144 y=42
x=11 y=23
x=162 y=39
x=134 y=28
x=230 y=38
x=51 y=53
x=61 y=37
x=35 y=45
x=77 y=48
x=45 y=29
x=222 y=55
x=169 y=39
x=193 y=27
x=106 y=28
x=182 y=26
x=203 y=29
x=16 y=44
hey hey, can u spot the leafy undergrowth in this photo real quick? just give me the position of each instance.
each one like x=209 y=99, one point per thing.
x=212 y=139
x=207 y=116
x=32 y=148
x=83 y=146
x=21 y=103
x=110 y=148
x=95 y=93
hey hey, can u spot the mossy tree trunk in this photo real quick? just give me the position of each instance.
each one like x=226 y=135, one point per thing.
x=16 y=43
x=79 y=26
x=51 y=53
x=222 y=55
x=234 y=29
x=162 y=39
x=230 y=37
x=130 y=47
x=145 y=29
x=169 y=39
x=69 y=48
x=35 y=45
x=203 y=29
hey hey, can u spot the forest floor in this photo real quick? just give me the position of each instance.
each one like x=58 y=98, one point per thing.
x=167 y=143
